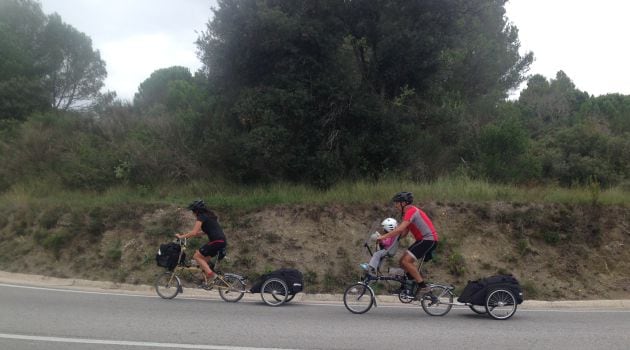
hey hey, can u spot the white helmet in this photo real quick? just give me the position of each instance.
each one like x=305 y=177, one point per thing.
x=389 y=224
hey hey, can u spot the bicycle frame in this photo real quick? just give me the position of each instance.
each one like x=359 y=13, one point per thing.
x=214 y=263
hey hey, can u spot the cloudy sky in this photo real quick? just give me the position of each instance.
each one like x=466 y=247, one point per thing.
x=586 y=39
x=137 y=37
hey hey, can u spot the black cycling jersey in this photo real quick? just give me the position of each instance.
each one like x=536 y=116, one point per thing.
x=211 y=227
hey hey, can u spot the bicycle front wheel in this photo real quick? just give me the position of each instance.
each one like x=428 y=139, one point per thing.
x=438 y=301
x=231 y=288
x=167 y=285
x=358 y=298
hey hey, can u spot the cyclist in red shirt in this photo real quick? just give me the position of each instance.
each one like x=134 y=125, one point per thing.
x=418 y=223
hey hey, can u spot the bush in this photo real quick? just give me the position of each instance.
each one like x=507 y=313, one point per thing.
x=551 y=237
x=55 y=241
x=456 y=264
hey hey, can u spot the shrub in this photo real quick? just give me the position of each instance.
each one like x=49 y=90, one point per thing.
x=456 y=264
x=551 y=237
x=49 y=218
x=114 y=253
x=55 y=241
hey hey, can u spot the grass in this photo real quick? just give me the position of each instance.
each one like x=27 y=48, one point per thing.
x=451 y=189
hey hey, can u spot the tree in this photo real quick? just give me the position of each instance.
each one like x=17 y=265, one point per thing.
x=44 y=62
x=74 y=71
x=504 y=153
x=21 y=90
x=322 y=90
x=155 y=90
x=549 y=104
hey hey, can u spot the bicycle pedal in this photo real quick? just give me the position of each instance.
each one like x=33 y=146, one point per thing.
x=206 y=286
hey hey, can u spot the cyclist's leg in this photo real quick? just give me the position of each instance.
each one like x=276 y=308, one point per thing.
x=416 y=252
x=377 y=258
x=203 y=262
x=205 y=253
x=408 y=263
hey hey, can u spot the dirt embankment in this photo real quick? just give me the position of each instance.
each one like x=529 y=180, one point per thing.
x=557 y=251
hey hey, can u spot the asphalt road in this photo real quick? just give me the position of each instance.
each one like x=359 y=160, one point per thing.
x=44 y=318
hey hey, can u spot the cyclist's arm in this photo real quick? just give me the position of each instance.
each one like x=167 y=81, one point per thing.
x=400 y=230
x=196 y=231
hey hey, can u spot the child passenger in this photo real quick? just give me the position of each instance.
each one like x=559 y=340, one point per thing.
x=387 y=246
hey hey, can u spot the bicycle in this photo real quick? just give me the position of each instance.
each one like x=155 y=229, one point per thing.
x=500 y=302
x=231 y=286
x=360 y=296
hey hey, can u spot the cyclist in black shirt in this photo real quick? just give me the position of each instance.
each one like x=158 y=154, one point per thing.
x=207 y=222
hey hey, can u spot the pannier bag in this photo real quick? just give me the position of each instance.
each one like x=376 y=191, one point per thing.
x=168 y=255
x=292 y=277
x=475 y=292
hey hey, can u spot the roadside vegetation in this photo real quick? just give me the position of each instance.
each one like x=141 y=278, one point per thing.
x=225 y=195
x=303 y=121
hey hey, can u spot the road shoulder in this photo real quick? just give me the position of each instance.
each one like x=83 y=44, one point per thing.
x=12 y=278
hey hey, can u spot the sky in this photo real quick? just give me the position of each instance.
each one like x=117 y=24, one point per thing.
x=137 y=37
x=586 y=39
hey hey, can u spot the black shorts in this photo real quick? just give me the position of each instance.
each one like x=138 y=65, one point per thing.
x=420 y=248
x=212 y=248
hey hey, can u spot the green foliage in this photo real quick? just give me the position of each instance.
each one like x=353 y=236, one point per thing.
x=504 y=153
x=56 y=240
x=351 y=89
x=76 y=72
x=551 y=237
x=50 y=217
x=165 y=86
x=530 y=289
x=21 y=93
x=581 y=154
x=44 y=62
x=314 y=95
x=456 y=264
x=113 y=254
x=522 y=246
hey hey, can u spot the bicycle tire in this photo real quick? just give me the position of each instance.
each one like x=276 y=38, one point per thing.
x=500 y=304
x=358 y=298
x=274 y=292
x=478 y=309
x=438 y=301
x=234 y=291
x=289 y=297
x=167 y=285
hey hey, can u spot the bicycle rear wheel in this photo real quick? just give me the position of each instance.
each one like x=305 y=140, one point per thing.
x=232 y=290
x=167 y=285
x=274 y=292
x=438 y=301
x=358 y=298
x=500 y=304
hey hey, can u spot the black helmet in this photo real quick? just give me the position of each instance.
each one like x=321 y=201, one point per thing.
x=406 y=197
x=197 y=205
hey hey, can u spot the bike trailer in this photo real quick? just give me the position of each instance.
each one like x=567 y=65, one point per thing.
x=168 y=255
x=475 y=292
x=292 y=277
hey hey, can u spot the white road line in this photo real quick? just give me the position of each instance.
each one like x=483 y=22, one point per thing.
x=128 y=343
x=74 y=291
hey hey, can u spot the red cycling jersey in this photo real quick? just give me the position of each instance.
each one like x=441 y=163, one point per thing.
x=420 y=225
